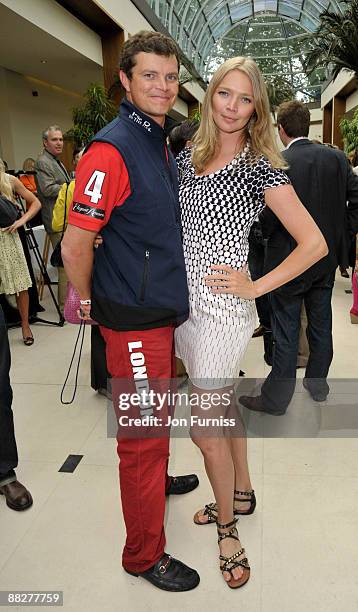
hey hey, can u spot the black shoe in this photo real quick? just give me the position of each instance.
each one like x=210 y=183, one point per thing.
x=16 y=495
x=259 y=331
x=169 y=574
x=182 y=484
x=256 y=404
x=317 y=396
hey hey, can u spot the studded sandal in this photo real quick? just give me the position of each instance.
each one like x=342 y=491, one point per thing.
x=228 y=564
x=211 y=512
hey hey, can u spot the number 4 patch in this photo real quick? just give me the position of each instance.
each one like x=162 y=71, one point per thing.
x=94 y=186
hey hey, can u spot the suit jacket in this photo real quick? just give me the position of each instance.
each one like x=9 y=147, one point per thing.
x=326 y=185
x=50 y=176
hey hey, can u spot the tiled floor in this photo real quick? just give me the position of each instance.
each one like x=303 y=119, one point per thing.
x=301 y=541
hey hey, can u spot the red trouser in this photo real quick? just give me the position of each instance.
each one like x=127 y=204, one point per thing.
x=143 y=462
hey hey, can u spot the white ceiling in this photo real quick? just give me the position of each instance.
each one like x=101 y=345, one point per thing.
x=23 y=46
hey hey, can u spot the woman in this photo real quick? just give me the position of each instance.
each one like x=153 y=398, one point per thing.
x=14 y=274
x=233 y=169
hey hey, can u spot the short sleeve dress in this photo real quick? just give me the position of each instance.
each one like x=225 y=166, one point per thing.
x=14 y=273
x=217 y=212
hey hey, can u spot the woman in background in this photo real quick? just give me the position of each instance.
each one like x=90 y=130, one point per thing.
x=14 y=273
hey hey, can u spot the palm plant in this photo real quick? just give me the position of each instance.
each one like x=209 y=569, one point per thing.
x=279 y=90
x=335 y=43
x=97 y=111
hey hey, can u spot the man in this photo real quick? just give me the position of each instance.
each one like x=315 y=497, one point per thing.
x=16 y=495
x=51 y=174
x=126 y=188
x=324 y=182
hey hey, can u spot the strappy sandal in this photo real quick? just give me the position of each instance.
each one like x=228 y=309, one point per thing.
x=228 y=564
x=28 y=341
x=211 y=511
x=251 y=498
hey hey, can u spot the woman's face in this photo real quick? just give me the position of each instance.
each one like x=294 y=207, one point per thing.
x=233 y=102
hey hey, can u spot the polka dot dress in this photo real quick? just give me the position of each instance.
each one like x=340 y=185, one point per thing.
x=217 y=213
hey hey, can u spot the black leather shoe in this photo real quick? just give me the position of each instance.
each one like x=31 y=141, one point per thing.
x=16 y=495
x=256 y=404
x=169 y=574
x=317 y=396
x=259 y=331
x=182 y=484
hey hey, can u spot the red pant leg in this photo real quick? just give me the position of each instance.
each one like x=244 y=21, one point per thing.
x=143 y=462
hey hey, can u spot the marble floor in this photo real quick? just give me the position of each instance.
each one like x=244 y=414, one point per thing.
x=301 y=541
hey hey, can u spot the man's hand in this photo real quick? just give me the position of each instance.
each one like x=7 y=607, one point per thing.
x=84 y=312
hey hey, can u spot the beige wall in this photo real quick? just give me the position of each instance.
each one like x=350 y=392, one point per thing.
x=125 y=14
x=336 y=86
x=26 y=116
x=56 y=21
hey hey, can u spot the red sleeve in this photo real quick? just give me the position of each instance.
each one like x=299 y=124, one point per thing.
x=102 y=182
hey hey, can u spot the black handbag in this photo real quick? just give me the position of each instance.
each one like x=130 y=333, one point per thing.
x=56 y=256
x=8 y=212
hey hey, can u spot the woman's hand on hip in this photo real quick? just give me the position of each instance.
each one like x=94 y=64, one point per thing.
x=228 y=280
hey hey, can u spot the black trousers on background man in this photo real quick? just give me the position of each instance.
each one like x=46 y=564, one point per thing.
x=256 y=261
x=8 y=449
x=286 y=304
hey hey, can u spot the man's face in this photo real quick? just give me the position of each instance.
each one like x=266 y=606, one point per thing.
x=154 y=85
x=54 y=142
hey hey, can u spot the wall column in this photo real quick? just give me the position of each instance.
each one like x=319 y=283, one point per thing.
x=338 y=111
x=112 y=43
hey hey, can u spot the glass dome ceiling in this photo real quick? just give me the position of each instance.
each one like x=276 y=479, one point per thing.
x=273 y=32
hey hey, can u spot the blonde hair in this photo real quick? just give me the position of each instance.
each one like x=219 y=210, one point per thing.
x=260 y=129
x=28 y=164
x=5 y=184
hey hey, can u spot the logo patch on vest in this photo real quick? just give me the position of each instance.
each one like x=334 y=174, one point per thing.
x=88 y=211
x=140 y=121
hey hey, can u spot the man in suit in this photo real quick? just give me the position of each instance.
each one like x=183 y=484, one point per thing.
x=51 y=174
x=16 y=495
x=324 y=182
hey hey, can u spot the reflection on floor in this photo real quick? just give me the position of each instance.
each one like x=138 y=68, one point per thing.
x=301 y=541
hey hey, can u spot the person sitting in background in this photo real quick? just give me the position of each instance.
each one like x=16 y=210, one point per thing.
x=14 y=273
x=28 y=176
x=28 y=180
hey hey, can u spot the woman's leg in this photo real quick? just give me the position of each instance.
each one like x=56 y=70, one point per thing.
x=242 y=476
x=22 y=301
x=219 y=467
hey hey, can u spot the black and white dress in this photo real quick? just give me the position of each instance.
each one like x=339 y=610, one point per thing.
x=217 y=212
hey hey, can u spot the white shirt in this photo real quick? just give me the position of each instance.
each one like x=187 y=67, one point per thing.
x=295 y=140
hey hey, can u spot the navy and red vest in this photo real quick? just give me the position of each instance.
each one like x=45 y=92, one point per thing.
x=139 y=278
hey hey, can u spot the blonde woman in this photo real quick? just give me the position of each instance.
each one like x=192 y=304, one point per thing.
x=232 y=171
x=14 y=274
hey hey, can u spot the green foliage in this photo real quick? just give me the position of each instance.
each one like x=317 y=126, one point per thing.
x=97 y=111
x=349 y=130
x=336 y=41
x=196 y=115
x=279 y=90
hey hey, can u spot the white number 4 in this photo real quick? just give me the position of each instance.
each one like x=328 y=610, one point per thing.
x=94 y=186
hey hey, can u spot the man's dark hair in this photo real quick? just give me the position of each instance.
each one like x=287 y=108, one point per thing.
x=295 y=118
x=180 y=135
x=148 y=42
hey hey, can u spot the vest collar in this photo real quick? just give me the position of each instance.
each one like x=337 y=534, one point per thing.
x=140 y=120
